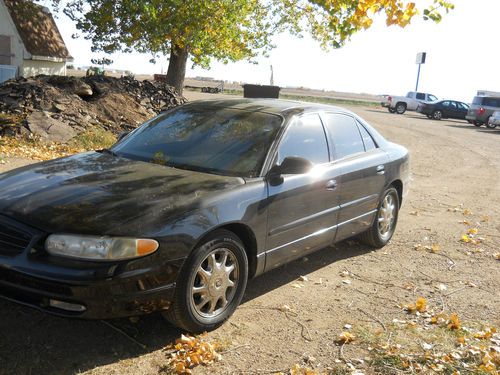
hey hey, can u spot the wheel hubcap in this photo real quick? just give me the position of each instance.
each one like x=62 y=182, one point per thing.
x=386 y=216
x=215 y=283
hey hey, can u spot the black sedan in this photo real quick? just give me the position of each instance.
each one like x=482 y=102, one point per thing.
x=179 y=213
x=444 y=109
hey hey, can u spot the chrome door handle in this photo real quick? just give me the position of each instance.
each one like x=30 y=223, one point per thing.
x=331 y=185
x=381 y=169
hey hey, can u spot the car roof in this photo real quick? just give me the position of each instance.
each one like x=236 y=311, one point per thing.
x=273 y=106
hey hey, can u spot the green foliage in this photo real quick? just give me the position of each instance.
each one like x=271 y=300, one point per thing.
x=229 y=30
x=93 y=139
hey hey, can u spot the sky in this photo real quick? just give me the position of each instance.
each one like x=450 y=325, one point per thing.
x=463 y=56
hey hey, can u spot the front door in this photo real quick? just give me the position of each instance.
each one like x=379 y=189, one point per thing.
x=303 y=209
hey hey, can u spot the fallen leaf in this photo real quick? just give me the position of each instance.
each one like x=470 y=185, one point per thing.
x=473 y=231
x=435 y=248
x=421 y=304
x=345 y=337
x=454 y=322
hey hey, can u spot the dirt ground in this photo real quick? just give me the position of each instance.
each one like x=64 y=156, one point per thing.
x=456 y=177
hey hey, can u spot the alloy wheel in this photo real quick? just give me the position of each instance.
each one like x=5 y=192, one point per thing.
x=438 y=115
x=215 y=283
x=387 y=216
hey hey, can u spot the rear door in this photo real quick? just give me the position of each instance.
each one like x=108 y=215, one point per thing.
x=303 y=209
x=463 y=109
x=363 y=172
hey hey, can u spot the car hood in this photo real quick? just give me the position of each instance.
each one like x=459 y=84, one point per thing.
x=98 y=193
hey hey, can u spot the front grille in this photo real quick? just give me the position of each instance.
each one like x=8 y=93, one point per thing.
x=13 y=240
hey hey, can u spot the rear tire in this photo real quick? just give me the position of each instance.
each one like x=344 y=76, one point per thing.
x=400 y=108
x=211 y=284
x=384 y=225
x=391 y=110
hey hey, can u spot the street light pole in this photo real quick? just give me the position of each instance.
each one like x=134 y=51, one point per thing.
x=418 y=77
x=420 y=60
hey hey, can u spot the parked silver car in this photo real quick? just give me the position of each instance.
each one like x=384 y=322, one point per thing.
x=483 y=106
x=494 y=120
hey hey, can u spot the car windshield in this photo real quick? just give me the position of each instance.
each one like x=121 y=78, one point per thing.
x=204 y=138
x=432 y=98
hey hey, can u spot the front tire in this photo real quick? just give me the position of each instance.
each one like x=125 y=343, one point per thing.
x=211 y=284
x=384 y=225
x=391 y=110
x=437 y=115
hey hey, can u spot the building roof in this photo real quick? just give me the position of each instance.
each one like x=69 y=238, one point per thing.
x=38 y=30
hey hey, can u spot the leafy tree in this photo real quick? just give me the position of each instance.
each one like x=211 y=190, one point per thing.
x=228 y=30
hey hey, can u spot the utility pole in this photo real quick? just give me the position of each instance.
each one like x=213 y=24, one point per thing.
x=421 y=56
x=271 y=81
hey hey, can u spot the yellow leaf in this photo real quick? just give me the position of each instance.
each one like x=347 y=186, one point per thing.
x=421 y=304
x=345 y=337
x=435 y=248
x=465 y=238
x=473 y=231
x=454 y=322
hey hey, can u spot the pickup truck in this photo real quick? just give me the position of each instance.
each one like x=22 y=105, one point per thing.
x=410 y=102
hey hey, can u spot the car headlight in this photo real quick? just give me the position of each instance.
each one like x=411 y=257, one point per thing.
x=99 y=248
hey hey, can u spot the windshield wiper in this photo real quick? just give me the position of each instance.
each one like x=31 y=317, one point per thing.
x=107 y=151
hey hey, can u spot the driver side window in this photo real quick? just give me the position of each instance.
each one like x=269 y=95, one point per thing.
x=305 y=138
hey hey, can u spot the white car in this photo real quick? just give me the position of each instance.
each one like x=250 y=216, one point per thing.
x=494 y=120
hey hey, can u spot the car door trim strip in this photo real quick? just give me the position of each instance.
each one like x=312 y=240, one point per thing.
x=321 y=231
x=301 y=221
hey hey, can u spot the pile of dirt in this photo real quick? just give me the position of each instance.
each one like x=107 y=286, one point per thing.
x=58 y=108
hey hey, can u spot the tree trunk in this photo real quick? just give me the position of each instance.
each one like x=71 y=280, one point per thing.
x=177 y=67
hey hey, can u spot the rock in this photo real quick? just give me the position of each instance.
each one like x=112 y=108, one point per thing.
x=82 y=89
x=40 y=123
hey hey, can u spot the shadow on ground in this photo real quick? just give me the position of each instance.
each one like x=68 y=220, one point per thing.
x=33 y=342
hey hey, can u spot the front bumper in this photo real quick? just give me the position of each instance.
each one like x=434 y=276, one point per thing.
x=99 y=300
x=89 y=290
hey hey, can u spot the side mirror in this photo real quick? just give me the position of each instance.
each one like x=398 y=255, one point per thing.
x=291 y=165
x=121 y=136
x=295 y=165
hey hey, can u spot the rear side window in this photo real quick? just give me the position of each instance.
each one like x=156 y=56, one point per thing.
x=446 y=104
x=477 y=100
x=367 y=138
x=344 y=135
x=305 y=138
x=491 y=102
